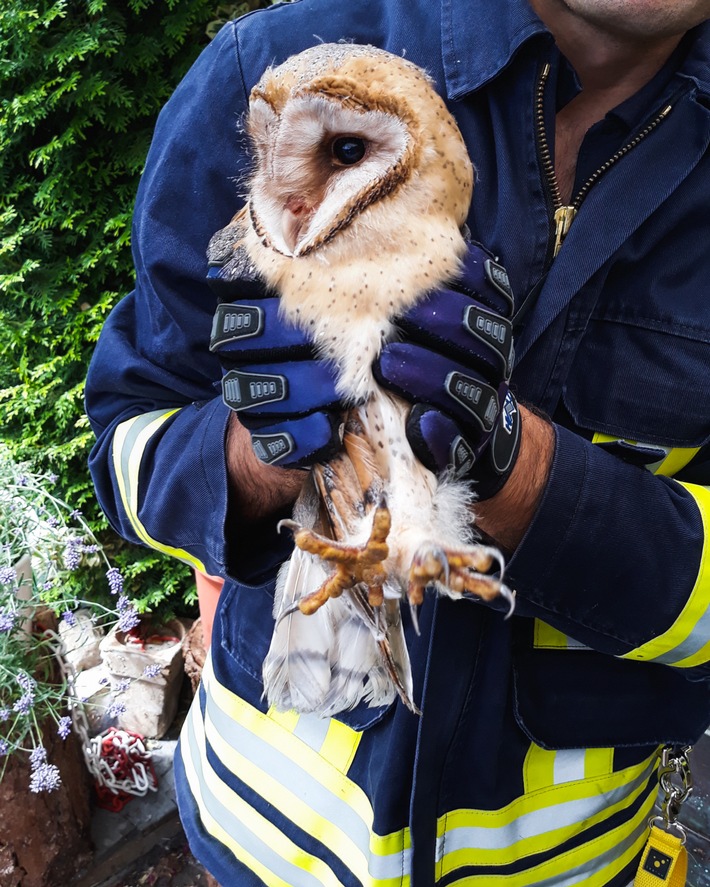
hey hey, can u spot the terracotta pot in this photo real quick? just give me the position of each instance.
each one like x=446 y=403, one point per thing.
x=45 y=837
x=208 y=590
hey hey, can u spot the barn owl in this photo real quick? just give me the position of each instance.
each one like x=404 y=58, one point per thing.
x=359 y=193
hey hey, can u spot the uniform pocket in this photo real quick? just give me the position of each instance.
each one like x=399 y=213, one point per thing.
x=642 y=379
x=571 y=698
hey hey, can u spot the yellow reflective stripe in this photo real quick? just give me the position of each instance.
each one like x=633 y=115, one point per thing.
x=337 y=746
x=287 y=719
x=288 y=802
x=676 y=459
x=548 y=638
x=687 y=641
x=340 y=745
x=538 y=769
x=129 y=442
x=279 y=738
x=543 y=767
x=598 y=437
x=593 y=864
x=539 y=822
x=598 y=762
x=251 y=820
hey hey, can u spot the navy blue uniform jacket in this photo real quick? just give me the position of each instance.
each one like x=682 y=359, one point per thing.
x=608 y=653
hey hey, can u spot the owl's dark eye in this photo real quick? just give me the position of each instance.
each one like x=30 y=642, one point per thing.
x=348 y=150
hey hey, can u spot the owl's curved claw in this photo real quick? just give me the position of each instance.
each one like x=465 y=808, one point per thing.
x=459 y=571
x=414 y=613
x=508 y=594
x=289 y=525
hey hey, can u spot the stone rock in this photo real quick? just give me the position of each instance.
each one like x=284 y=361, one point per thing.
x=150 y=701
x=81 y=641
x=94 y=686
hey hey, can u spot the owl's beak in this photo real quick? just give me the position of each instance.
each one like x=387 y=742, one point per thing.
x=296 y=215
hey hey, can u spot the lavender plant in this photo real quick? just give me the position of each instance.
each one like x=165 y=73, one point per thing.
x=43 y=541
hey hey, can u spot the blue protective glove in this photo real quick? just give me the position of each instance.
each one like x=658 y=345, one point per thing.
x=453 y=362
x=283 y=394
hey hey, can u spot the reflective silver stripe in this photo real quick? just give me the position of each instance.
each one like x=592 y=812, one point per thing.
x=538 y=822
x=129 y=442
x=593 y=863
x=312 y=730
x=693 y=644
x=569 y=765
x=254 y=845
x=327 y=805
x=598 y=862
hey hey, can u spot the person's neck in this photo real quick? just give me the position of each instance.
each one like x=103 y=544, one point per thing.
x=610 y=66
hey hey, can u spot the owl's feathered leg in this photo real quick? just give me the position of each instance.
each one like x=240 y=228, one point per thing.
x=457 y=571
x=354 y=564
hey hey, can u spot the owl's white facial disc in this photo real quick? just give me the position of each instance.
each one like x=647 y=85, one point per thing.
x=318 y=163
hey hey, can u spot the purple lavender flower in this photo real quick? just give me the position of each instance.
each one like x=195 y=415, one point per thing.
x=122 y=603
x=38 y=756
x=151 y=671
x=7 y=621
x=5 y=714
x=46 y=778
x=53 y=478
x=24 y=703
x=122 y=685
x=53 y=522
x=103 y=681
x=115 y=709
x=74 y=515
x=64 y=727
x=7 y=576
x=26 y=681
x=69 y=618
x=128 y=620
x=46 y=586
x=72 y=553
x=22 y=481
x=4 y=748
x=115 y=580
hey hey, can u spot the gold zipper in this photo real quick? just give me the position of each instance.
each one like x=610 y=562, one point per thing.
x=564 y=215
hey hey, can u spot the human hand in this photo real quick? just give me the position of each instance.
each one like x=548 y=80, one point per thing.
x=454 y=363
x=283 y=395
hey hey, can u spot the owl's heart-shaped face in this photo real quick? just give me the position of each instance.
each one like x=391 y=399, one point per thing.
x=319 y=161
x=339 y=132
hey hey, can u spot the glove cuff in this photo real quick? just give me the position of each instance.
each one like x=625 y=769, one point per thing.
x=438 y=443
x=499 y=457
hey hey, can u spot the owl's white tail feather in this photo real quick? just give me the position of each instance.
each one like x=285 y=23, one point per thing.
x=328 y=661
x=296 y=670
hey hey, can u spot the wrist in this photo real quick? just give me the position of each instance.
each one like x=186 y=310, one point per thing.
x=506 y=516
x=256 y=489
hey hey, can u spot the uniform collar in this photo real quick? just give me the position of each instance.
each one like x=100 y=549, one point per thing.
x=480 y=38
x=696 y=66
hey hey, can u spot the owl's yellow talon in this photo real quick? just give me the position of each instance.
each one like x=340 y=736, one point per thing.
x=354 y=564
x=459 y=570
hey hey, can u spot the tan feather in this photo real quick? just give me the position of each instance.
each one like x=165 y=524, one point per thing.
x=348 y=247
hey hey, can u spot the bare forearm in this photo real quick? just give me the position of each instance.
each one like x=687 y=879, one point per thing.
x=506 y=516
x=255 y=489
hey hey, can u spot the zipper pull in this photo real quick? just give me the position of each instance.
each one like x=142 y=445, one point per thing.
x=564 y=216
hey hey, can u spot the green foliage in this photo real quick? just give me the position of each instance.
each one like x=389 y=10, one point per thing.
x=81 y=84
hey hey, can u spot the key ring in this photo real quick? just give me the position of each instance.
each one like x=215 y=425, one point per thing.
x=676 y=782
